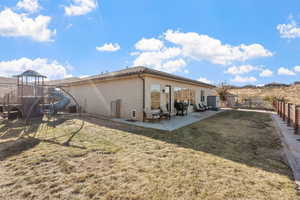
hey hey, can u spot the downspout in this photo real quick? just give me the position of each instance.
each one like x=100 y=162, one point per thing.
x=143 y=79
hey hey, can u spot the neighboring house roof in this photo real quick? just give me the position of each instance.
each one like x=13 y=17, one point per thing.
x=62 y=81
x=8 y=81
x=6 y=85
x=136 y=71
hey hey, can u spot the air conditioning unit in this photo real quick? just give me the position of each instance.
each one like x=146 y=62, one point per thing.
x=133 y=114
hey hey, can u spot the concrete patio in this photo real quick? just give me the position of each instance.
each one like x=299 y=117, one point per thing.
x=175 y=122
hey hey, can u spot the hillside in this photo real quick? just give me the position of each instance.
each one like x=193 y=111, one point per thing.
x=291 y=92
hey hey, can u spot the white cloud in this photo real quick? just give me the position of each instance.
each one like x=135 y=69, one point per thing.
x=285 y=71
x=20 y=25
x=53 y=69
x=30 y=6
x=203 y=47
x=204 y=80
x=240 y=79
x=290 y=30
x=297 y=68
x=183 y=46
x=243 y=69
x=109 y=47
x=135 y=53
x=172 y=66
x=151 y=44
x=80 y=7
x=162 y=59
x=266 y=73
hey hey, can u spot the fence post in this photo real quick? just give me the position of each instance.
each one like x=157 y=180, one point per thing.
x=289 y=114
x=297 y=112
x=283 y=110
x=280 y=109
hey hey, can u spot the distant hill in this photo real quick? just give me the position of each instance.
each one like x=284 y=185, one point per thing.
x=289 y=92
x=269 y=85
x=274 y=85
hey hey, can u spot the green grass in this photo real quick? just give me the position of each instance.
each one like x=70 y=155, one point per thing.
x=233 y=155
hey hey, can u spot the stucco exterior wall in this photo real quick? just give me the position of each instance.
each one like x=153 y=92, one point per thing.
x=96 y=98
x=151 y=80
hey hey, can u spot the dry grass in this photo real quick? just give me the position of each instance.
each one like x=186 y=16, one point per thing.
x=233 y=156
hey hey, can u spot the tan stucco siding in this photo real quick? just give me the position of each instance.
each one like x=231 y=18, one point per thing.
x=96 y=98
x=151 y=80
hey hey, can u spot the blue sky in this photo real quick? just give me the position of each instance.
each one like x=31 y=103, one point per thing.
x=240 y=42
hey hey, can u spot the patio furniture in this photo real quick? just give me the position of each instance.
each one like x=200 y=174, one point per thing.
x=165 y=113
x=181 y=108
x=201 y=105
x=152 y=114
x=206 y=106
x=198 y=109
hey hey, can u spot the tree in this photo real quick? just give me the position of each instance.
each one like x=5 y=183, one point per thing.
x=223 y=91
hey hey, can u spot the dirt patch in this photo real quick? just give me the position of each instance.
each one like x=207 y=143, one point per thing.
x=14 y=147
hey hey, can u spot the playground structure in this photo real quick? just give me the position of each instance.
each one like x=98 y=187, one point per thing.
x=31 y=98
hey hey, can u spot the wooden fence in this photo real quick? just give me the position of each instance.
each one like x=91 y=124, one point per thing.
x=288 y=112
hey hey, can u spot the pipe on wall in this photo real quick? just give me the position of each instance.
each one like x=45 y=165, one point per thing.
x=143 y=79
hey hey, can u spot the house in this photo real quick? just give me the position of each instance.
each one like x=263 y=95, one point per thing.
x=132 y=92
x=6 y=86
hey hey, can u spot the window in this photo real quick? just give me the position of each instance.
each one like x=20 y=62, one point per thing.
x=166 y=98
x=185 y=95
x=155 y=96
x=202 y=95
x=177 y=94
x=192 y=97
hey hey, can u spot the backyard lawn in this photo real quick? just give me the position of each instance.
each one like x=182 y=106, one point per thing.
x=231 y=156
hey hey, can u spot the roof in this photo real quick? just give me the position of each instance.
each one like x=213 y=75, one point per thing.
x=136 y=71
x=62 y=81
x=8 y=81
x=31 y=73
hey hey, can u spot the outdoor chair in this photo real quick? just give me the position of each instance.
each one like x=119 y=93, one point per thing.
x=152 y=114
x=197 y=108
x=201 y=105
x=165 y=113
x=185 y=107
x=207 y=107
x=181 y=108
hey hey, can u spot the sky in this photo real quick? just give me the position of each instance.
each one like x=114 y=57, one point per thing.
x=235 y=41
